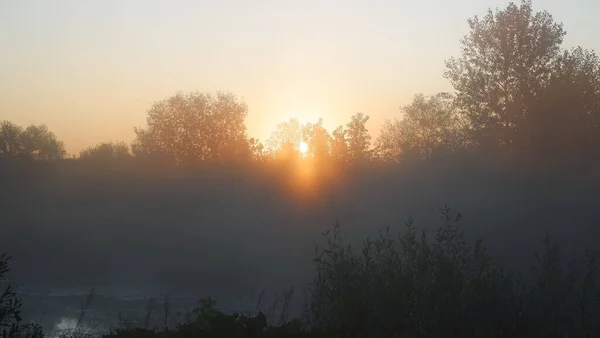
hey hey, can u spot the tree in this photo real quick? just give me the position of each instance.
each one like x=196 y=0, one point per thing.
x=429 y=125
x=257 y=149
x=350 y=143
x=506 y=62
x=10 y=140
x=318 y=140
x=339 y=146
x=41 y=144
x=285 y=139
x=106 y=151
x=195 y=126
x=564 y=125
x=35 y=142
x=388 y=145
x=358 y=138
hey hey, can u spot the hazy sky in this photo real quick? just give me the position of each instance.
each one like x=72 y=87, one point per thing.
x=91 y=69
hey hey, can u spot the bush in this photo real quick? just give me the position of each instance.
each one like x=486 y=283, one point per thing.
x=210 y=322
x=420 y=285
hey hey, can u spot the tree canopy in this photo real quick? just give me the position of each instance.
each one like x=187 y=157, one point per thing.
x=34 y=142
x=106 y=151
x=358 y=138
x=285 y=140
x=506 y=61
x=429 y=125
x=349 y=143
x=522 y=93
x=195 y=126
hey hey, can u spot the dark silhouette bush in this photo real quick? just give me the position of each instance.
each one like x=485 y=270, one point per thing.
x=417 y=284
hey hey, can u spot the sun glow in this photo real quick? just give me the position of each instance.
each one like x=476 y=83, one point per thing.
x=303 y=147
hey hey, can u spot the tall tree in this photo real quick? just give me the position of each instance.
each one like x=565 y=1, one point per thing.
x=195 y=126
x=358 y=138
x=388 y=145
x=339 y=146
x=505 y=63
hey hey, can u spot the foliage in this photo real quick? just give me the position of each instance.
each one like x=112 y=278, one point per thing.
x=505 y=63
x=34 y=142
x=349 y=143
x=430 y=126
x=420 y=285
x=563 y=125
x=339 y=146
x=106 y=151
x=210 y=322
x=318 y=140
x=10 y=140
x=287 y=137
x=358 y=139
x=195 y=126
x=285 y=140
x=520 y=92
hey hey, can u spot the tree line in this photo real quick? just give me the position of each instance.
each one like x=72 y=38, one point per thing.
x=518 y=94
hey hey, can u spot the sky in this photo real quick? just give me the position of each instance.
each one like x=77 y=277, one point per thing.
x=91 y=69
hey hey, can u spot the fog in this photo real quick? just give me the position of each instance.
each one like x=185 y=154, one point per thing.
x=135 y=233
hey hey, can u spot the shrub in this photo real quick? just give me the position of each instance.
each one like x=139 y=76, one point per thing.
x=419 y=285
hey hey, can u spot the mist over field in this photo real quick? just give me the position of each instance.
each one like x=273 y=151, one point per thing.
x=231 y=234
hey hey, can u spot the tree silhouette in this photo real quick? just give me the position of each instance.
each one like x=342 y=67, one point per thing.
x=318 y=140
x=564 y=126
x=358 y=138
x=34 y=142
x=505 y=63
x=430 y=125
x=10 y=140
x=195 y=126
x=41 y=144
x=339 y=147
x=106 y=151
x=285 y=139
x=257 y=150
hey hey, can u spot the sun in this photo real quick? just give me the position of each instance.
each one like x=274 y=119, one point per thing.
x=303 y=147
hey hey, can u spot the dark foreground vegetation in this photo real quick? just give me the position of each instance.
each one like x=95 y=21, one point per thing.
x=409 y=283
